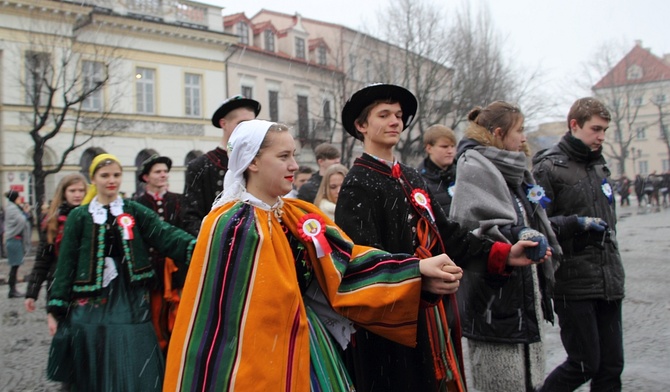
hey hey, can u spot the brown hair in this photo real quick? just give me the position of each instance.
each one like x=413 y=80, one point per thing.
x=58 y=199
x=274 y=128
x=322 y=193
x=585 y=108
x=498 y=114
x=363 y=115
x=437 y=131
x=326 y=151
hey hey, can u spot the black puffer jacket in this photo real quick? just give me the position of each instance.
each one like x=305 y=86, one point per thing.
x=577 y=182
x=439 y=181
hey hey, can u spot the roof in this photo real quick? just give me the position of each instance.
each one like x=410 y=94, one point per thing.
x=653 y=68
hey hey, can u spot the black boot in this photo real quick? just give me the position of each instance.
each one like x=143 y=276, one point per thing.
x=13 y=293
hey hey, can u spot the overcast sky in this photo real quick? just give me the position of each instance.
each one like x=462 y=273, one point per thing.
x=558 y=36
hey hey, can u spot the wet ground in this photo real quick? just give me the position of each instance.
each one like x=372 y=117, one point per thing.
x=644 y=237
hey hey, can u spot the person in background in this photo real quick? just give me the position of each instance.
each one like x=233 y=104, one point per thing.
x=69 y=194
x=301 y=176
x=590 y=279
x=383 y=203
x=204 y=175
x=623 y=187
x=439 y=166
x=155 y=173
x=287 y=277
x=2 y=232
x=326 y=197
x=496 y=196
x=639 y=190
x=100 y=295
x=17 y=238
x=326 y=155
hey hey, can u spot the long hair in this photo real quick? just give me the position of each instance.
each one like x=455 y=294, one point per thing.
x=322 y=193
x=58 y=199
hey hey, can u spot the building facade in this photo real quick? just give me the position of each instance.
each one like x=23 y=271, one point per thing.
x=637 y=92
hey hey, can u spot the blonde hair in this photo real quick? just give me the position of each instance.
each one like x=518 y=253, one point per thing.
x=58 y=199
x=322 y=193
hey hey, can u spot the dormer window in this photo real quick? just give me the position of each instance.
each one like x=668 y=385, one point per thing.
x=243 y=32
x=269 y=40
x=321 y=55
x=299 y=47
x=634 y=72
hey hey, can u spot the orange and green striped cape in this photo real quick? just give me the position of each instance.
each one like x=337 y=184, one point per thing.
x=242 y=323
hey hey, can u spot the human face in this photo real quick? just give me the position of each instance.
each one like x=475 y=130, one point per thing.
x=334 y=185
x=300 y=179
x=75 y=193
x=233 y=119
x=515 y=139
x=158 y=176
x=108 y=181
x=592 y=133
x=442 y=153
x=383 y=127
x=270 y=175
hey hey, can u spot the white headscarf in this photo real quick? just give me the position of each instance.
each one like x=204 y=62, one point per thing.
x=243 y=146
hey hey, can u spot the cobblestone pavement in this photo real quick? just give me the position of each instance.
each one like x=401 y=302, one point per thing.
x=644 y=240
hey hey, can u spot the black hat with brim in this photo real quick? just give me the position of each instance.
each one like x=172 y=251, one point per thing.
x=12 y=195
x=378 y=92
x=150 y=162
x=233 y=103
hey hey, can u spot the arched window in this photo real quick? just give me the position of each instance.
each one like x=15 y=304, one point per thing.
x=86 y=159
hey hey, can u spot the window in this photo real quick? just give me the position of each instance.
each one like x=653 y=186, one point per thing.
x=643 y=167
x=269 y=40
x=664 y=131
x=247 y=91
x=299 y=48
x=637 y=101
x=327 y=117
x=321 y=55
x=192 y=89
x=145 y=94
x=93 y=82
x=273 y=99
x=666 y=165
x=640 y=133
x=352 y=66
x=303 y=117
x=660 y=98
x=634 y=72
x=38 y=75
x=243 y=32
x=617 y=135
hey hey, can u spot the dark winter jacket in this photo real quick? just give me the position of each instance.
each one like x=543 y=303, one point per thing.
x=309 y=189
x=204 y=182
x=46 y=257
x=577 y=182
x=440 y=182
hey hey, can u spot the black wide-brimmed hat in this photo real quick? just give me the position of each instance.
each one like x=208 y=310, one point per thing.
x=12 y=195
x=232 y=103
x=150 y=162
x=377 y=92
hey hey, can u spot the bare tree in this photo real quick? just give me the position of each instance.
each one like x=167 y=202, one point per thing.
x=63 y=86
x=660 y=101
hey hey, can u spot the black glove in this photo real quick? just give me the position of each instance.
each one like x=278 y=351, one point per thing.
x=536 y=252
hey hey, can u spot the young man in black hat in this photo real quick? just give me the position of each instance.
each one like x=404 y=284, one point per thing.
x=155 y=173
x=204 y=175
x=385 y=204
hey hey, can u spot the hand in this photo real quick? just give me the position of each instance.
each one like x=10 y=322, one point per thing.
x=537 y=252
x=29 y=303
x=440 y=275
x=517 y=255
x=52 y=323
x=587 y=223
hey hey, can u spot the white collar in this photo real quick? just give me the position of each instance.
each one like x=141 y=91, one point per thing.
x=248 y=198
x=99 y=212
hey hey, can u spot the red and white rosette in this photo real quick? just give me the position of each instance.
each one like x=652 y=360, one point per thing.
x=312 y=228
x=127 y=222
x=420 y=198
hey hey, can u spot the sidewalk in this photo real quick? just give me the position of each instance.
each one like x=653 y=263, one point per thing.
x=24 y=269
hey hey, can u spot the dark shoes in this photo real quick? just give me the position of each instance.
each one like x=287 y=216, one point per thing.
x=13 y=293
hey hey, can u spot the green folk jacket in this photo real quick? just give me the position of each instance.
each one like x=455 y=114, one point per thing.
x=81 y=260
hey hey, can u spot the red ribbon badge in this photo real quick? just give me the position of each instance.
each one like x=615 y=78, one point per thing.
x=127 y=222
x=420 y=198
x=396 y=171
x=312 y=228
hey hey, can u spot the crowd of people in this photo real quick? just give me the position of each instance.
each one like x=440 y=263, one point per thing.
x=266 y=275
